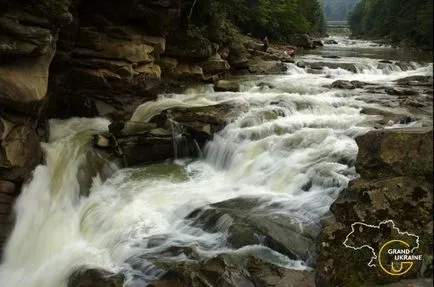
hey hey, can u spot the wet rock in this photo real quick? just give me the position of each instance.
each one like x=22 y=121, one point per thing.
x=405 y=66
x=261 y=67
x=8 y=192
x=400 y=92
x=263 y=85
x=360 y=85
x=237 y=57
x=343 y=84
x=268 y=275
x=86 y=277
x=225 y=271
x=415 y=81
x=301 y=64
x=248 y=225
x=175 y=132
x=153 y=147
x=330 y=42
x=395 y=184
x=7 y=188
x=216 y=115
x=19 y=147
x=333 y=65
x=388 y=117
x=215 y=65
x=330 y=56
x=226 y=86
x=266 y=56
x=317 y=43
x=301 y=40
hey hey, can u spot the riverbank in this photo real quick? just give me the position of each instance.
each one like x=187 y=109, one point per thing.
x=274 y=153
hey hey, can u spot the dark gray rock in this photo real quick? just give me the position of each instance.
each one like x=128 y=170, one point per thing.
x=400 y=92
x=248 y=225
x=343 y=84
x=89 y=277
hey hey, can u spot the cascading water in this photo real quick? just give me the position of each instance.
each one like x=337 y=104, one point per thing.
x=293 y=149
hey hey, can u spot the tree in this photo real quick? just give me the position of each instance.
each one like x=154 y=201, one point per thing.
x=399 y=20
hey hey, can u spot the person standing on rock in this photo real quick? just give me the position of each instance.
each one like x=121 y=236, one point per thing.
x=265 y=41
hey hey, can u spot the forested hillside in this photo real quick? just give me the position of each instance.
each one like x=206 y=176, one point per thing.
x=338 y=10
x=398 y=20
x=278 y=19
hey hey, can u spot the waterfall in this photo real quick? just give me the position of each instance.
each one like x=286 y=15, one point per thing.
x=293 y=150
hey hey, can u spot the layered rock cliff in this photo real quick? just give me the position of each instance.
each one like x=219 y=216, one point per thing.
x=71 y=58
x=67 y=58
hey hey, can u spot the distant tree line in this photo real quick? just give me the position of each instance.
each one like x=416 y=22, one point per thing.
x=399 y=20
x=276 y=18
x=338 y=10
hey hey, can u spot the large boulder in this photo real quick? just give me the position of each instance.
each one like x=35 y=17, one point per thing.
x=156 y=146
x=237 y=57
x=174 y=133
x=222 y=270
x=396 y=152
x=247 y=224
x=332 y=65
x=215 y=65
x=400 y=92
x=301 y=40
x=392 y=200
x=261 y=67
x=343 y=84
x=200 y=122
x=416 y=81
x=388 y=117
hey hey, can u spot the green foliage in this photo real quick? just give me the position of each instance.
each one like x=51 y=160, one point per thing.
x=276 y=18
x=399 y=20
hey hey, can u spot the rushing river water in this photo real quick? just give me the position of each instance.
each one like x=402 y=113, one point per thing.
x=294 y=147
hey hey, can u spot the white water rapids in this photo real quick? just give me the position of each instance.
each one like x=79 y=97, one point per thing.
x=295 y=146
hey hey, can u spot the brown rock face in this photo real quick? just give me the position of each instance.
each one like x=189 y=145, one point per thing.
x=107 y=58
x=397 y=152
x=28 y=33
x=104 y=61
x=395 y=184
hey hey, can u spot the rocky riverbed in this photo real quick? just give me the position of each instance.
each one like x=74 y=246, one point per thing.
x=235 y=167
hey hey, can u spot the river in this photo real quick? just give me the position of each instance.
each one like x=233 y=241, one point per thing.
x=296 y=162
